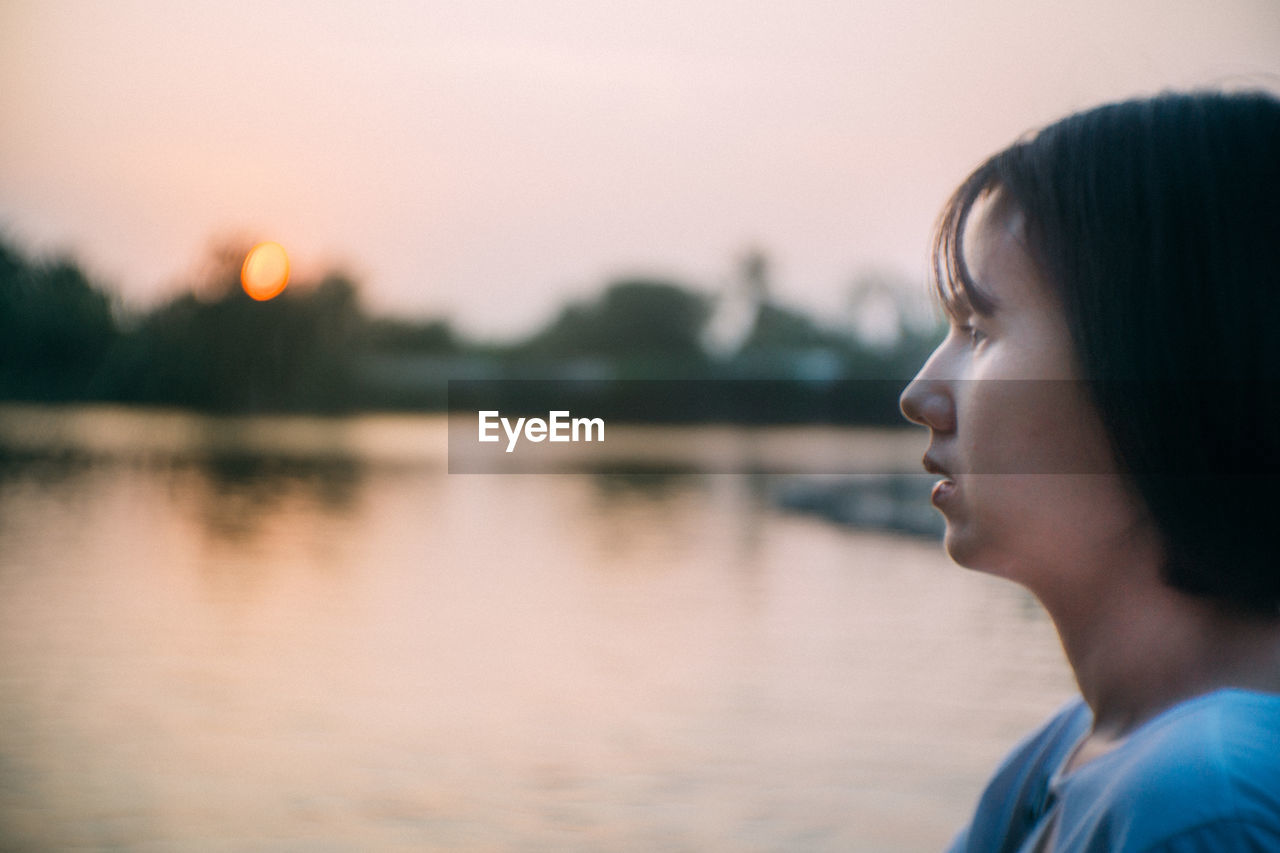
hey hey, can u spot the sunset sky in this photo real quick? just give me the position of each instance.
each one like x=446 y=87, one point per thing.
x=487 y=159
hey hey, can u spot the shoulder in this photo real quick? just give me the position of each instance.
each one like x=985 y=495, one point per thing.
x=1226 y=835
x=1213 y=753
x=1202 y=771
x=1016 y=797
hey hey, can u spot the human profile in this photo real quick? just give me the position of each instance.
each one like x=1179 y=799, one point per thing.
x=1103 y=413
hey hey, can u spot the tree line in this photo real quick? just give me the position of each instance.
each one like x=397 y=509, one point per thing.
x=315 y=348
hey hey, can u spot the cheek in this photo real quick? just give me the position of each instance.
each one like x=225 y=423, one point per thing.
x=1043 y=530
x=1024 y=426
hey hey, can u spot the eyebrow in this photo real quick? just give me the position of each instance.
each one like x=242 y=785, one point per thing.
x=981 y=299
x=963 y=293
x=954 y=283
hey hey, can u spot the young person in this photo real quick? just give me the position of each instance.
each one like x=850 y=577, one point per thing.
x=1105 y=417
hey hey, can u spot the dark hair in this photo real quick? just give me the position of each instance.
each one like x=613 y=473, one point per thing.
x=1157 y=223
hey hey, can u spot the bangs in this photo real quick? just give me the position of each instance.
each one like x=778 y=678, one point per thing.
x=953 y=284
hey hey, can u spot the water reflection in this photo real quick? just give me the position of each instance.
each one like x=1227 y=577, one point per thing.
x=652 y=485
x=236 y=496
x=356 y=651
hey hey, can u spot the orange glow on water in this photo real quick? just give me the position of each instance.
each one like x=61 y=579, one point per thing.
x=265 y=272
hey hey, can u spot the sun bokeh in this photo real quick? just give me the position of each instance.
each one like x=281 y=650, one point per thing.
x=265 y=272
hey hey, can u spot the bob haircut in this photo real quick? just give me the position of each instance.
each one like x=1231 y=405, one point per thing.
x=1156 y=222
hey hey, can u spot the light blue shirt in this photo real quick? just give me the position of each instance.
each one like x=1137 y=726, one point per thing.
x=1201 y=777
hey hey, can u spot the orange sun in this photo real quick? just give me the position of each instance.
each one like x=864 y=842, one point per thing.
x=265 y=271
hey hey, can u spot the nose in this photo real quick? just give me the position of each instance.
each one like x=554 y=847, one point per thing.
x=929 y=402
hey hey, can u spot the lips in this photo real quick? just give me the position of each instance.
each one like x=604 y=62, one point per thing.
x=934 y=467
x=944 y=488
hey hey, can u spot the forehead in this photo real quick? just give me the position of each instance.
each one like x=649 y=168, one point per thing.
x=998 y=257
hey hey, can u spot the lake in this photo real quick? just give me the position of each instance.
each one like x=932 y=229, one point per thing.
x=303 y=634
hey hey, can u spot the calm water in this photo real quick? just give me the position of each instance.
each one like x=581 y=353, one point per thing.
x=293 y=634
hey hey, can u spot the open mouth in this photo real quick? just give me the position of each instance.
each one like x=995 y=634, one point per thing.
x=944 y=488
x=933 y=467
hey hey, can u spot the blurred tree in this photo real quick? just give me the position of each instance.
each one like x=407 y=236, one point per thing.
x=396 y=335
x=783 y=342
x=781 y=329
x=640 y=322
x=313 y=349
x=55 y=329
x=227 y=352
x=893 y=324
x=755 y=275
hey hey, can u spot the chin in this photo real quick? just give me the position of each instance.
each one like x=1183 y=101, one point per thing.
x=958 y=553
x=964 y=548
x=978 y=555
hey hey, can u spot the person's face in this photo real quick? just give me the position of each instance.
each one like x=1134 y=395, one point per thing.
x=1029 y=485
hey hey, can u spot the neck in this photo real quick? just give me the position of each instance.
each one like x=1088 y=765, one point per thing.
x=1144 y=646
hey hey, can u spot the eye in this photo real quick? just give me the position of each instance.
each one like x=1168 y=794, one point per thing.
x=974 y=335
